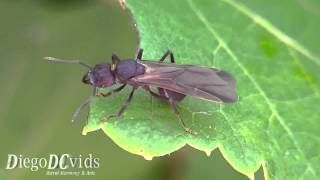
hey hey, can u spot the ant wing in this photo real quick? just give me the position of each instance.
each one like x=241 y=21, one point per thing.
x=200 y=82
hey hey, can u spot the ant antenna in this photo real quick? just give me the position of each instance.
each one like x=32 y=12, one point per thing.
x=57 y=60
x=80 y=108
x=83 y=105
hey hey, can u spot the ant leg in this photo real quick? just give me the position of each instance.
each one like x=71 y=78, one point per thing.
x=115 y=59
x=154 y=94
x=139 y=54
x=113 y=91
x=80 y=108
x=169 y=52
x=174 y=108
x=124 y=106
x=83 y=105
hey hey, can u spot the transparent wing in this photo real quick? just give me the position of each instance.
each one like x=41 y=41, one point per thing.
x=200 y=82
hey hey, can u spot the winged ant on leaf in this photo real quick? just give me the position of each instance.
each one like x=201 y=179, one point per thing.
x=173 y=81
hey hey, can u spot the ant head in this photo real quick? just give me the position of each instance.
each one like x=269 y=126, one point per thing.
x=88 y=78
x=100 y=76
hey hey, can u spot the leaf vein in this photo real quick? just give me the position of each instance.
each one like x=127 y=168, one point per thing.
x=299 y=64
x=272 y=107
x=264 y=23
x=296 y=100
x=233 y=131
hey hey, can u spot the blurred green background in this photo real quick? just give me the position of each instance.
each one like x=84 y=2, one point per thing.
x=38 y=98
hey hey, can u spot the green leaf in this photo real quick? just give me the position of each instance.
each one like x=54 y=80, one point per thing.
x=270 y=47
